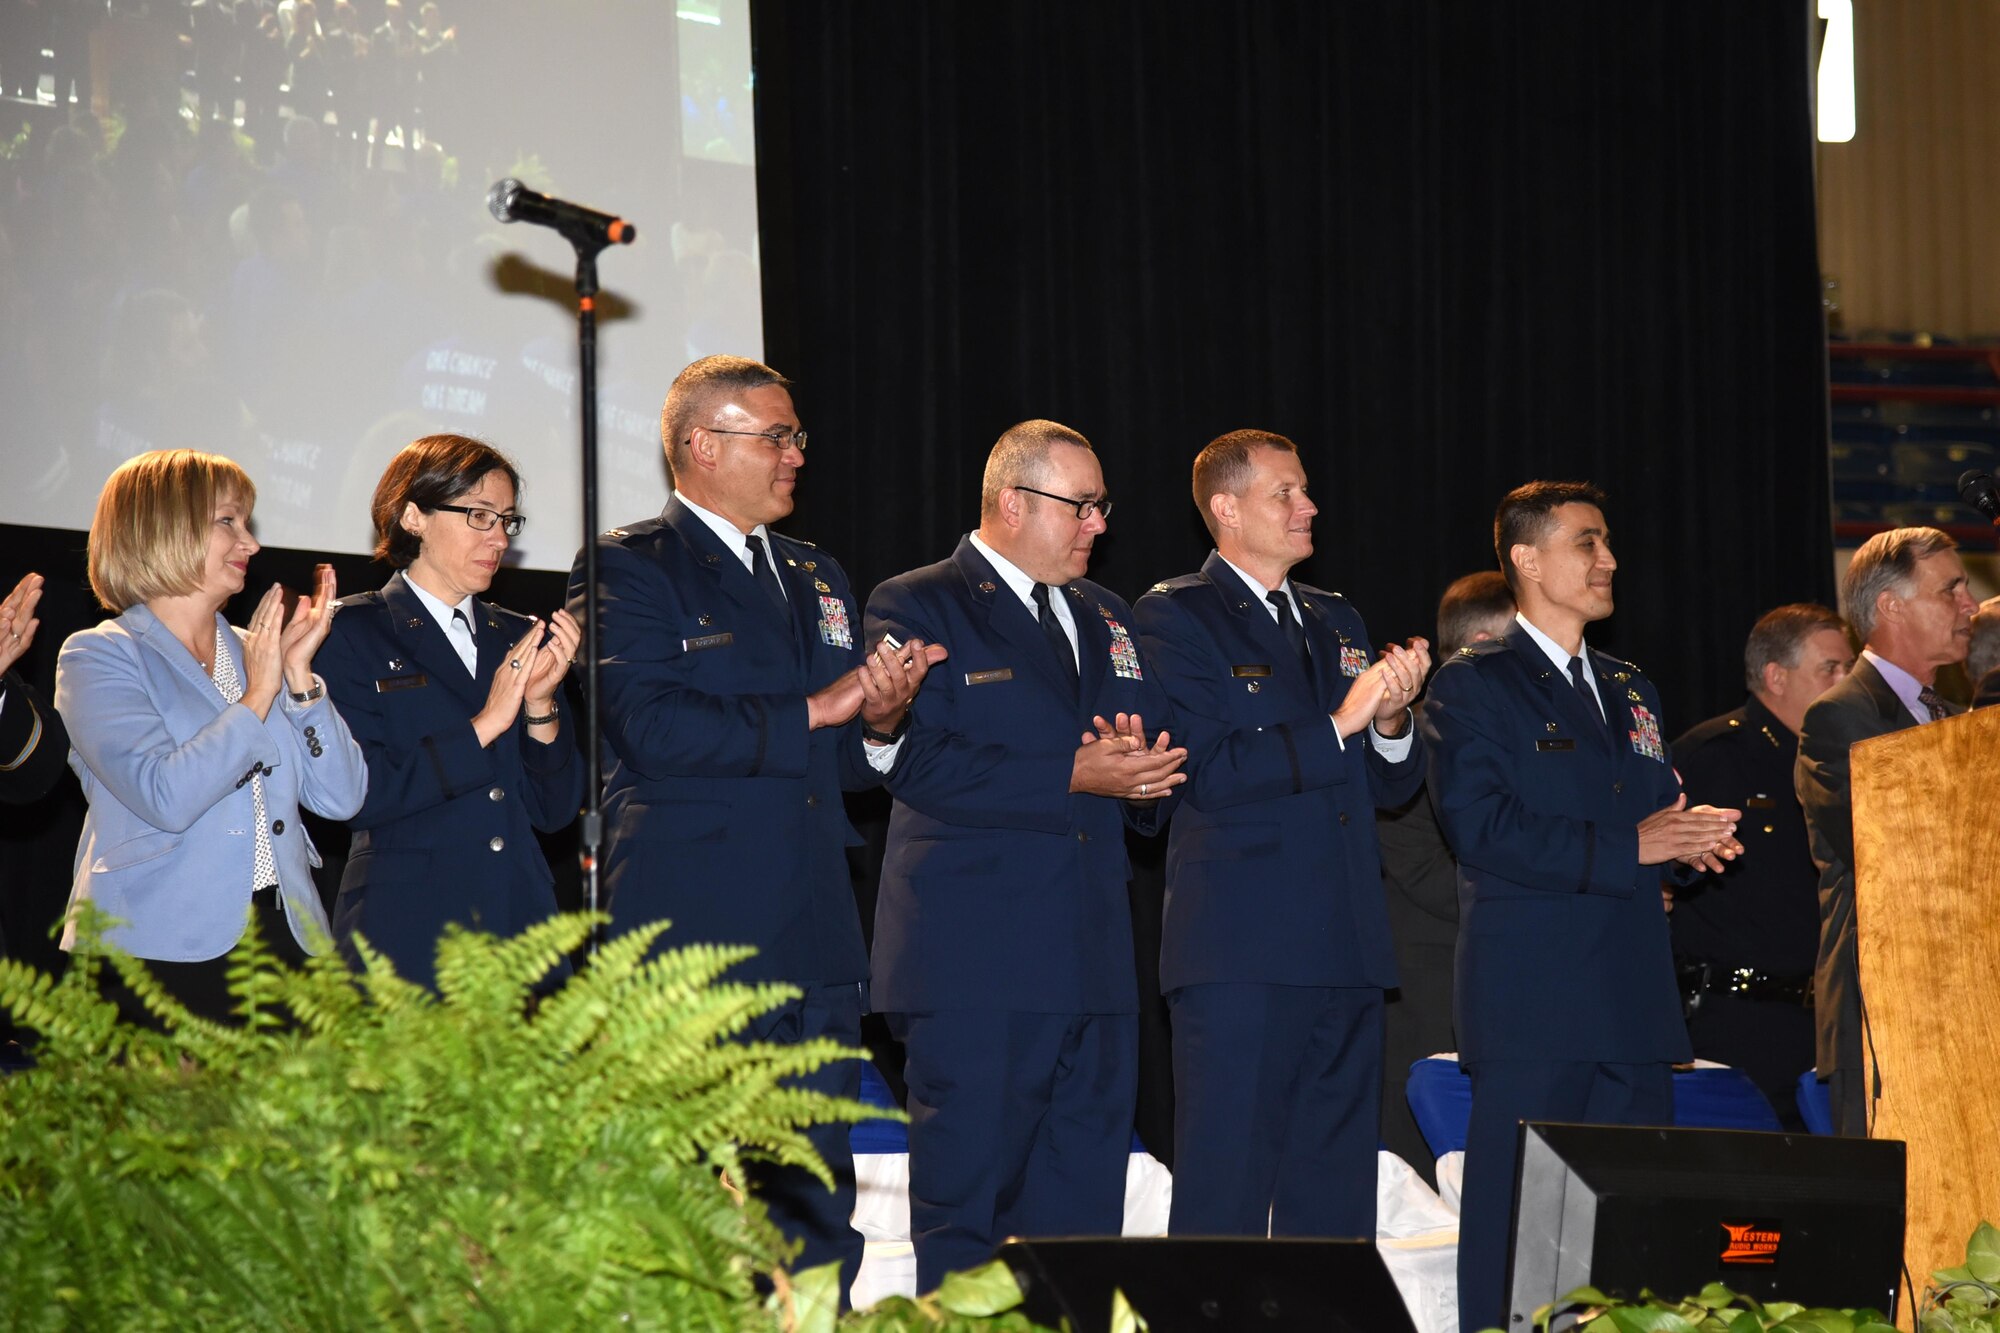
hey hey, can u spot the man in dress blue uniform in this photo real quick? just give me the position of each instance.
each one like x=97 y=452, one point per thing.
x=1554 y=789
x=1745 y=940
x=737 y=708
x=1275 y=950
x=1003 y=944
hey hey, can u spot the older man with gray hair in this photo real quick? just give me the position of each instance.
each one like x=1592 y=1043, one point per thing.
x=1982 y=662
x=1905 y=595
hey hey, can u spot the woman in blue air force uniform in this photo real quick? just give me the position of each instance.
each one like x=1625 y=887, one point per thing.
x=454 y=702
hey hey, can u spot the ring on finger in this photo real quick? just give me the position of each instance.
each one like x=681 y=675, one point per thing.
x=1142 y=789
x=514 y=662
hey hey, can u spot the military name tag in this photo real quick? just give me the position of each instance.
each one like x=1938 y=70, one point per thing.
x=1251 y=669
x=1563 y=743
x=707 y=641
x=989 y=677
x=390 y=684
x=1760 y=803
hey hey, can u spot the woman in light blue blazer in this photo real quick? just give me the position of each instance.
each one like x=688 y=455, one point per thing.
x=196 y=742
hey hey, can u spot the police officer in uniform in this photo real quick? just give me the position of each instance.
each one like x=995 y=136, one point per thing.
x=1745 y=939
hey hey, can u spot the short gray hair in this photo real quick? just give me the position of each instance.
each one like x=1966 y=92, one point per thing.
x=1886 y=562
x=1780 y=634
x=1020 y=458
x=1985 y=654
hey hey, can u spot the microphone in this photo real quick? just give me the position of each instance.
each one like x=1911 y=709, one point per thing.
x=511 y=201
x=1977 y=489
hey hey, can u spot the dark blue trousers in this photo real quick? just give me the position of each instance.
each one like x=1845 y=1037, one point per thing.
x=1504 y=1093
x=804 y=1209
x=1020 y=1125
x=1277 y=1109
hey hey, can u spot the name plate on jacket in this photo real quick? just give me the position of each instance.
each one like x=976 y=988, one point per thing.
x=989 y=677
x=1561 y=743
x=1253 y=669
x=390 y=684
x=708 y=641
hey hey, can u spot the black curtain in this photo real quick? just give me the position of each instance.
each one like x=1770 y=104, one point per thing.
x=1447 y=247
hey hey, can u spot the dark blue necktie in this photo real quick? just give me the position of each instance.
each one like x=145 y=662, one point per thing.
x=1052 y=630
x=1583 y=688
x=767 y=578
x=1295 y=633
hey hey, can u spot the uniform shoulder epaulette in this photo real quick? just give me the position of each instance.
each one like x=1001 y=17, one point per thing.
x=796 y=541
x=1618 y=665
x=1483 y=649
x=1174 y=585
x=617 y=534
x=359 y=598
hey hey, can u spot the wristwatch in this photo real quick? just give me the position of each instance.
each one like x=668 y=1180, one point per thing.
x=869 y=733
x=318 y=691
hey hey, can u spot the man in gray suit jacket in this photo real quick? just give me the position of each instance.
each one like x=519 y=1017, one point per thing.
x=1905 y=595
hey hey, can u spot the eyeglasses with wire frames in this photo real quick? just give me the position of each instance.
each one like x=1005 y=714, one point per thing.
x=780 y=440
x=1084 y=508
x=484 y=519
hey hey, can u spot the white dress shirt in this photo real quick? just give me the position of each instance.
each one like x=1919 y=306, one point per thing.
x=1561 y=659
x=459 y=632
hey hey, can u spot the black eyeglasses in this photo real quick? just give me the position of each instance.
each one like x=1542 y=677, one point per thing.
x=484 y=519
x=1084 y=508
x=777 y=439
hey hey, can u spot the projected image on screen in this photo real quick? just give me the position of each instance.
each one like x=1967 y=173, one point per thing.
x=259 y=228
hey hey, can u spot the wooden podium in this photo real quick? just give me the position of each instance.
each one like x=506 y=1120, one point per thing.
x=1927 y=921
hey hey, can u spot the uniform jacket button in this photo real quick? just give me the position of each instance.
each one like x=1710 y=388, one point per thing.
x=310 y=732
x=496 y=795
x=1083 y=835
x=1343 y=817
x=812 y=799
x=1617 y=789
x=497 y=844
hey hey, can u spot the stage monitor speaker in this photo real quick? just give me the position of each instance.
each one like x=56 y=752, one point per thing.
x=1785 y=1216
x=1199 y=1284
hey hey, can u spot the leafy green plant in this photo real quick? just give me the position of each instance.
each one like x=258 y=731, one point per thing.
x=1966 y=1299
x=1716 y=1309
x=476 y=1159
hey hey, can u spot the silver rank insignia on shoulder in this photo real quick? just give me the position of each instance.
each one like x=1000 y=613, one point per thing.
x=1158 y=587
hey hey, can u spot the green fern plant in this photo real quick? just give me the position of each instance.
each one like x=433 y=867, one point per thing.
x=363 y=1154
x=1716 y=1309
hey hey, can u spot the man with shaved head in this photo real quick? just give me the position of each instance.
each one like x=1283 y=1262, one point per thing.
x=1003 y=937
x=737 y=706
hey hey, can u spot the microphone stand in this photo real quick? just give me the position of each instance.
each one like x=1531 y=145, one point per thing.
x=590 y=851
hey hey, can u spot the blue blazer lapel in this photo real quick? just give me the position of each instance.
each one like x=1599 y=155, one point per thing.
x=418 y=638
x=1558 y=687
x=142 y=622
x=709 y=554
x=1330 y=681
x=1093 y=646
x=1247 y=604
x=1008 y=618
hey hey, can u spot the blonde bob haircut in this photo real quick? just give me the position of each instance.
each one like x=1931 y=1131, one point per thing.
x=150 y=534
